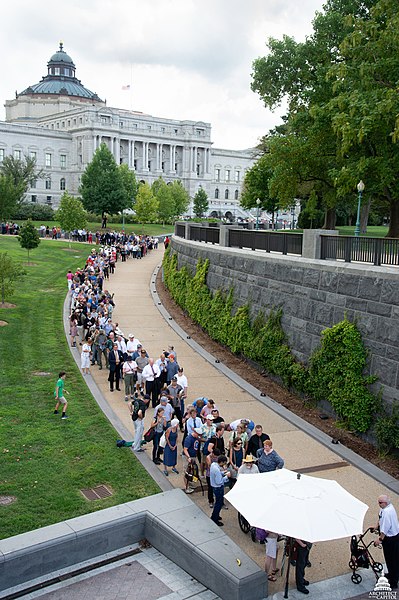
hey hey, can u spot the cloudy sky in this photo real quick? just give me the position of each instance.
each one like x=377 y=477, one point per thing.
x=184 y=59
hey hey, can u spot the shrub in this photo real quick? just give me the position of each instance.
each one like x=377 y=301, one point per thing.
x=387 y=430
x=36 y=212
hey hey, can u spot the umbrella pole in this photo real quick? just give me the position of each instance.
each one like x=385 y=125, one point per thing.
x=290 y=546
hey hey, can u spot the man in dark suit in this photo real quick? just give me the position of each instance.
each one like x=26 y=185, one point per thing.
x=115 y=360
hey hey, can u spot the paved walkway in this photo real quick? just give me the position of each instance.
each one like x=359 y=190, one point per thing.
x=137 y=312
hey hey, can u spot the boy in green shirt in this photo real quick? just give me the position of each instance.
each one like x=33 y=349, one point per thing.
x=59 y=395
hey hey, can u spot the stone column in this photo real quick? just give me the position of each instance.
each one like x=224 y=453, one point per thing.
x=311 y=247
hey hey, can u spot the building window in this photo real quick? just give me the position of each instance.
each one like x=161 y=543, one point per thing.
x=149 y=127
x=33 y=183
x=48 y=183
x=49 y=199
x=176 y=131
x=162 y=129
x=237 y=177
x=163 y=166
x=149 y=165
x=33 y=155
x=57 y=71
x=227 y=175
x=226 y=194
x=17 y=154
x=135 y=164
x=62 y=184
x=121 y=124
x=236 y=195
x=217 y=193
x=63 y=159
x=1 y=155
x=48 y=159
x=198 y=170
x=217 y=174
x=33 y=199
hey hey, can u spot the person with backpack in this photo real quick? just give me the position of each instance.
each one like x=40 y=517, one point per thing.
x=137 y=408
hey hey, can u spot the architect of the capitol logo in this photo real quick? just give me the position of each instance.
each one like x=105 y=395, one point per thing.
x=382 y=590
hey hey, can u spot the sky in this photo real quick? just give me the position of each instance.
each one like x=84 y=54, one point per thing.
x=183 y=59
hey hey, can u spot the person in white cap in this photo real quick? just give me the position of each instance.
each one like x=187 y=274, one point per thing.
x=132 y=344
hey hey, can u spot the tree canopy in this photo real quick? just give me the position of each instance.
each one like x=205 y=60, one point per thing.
x=146 y=207
x=342 y=123
x=29 y=237
x=71 y=214
x=103 y=188
x=201 y=203
x=130 y=185
x=10 y=271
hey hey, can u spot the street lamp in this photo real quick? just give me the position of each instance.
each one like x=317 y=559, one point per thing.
x=258 y=201
x=360 y=189
x=293 y=216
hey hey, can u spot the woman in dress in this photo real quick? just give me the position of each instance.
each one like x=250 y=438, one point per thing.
x=73 y=329
x=159 y=426
x=170 y=451
x=85 y=357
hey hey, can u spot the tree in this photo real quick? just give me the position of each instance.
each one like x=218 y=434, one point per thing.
x=102 y=187
x=130 y=185
x=365 y=107
x=305 y=153
x=29 y=237
x=181 y=198
x=201 y=203
x=71 y=214
x=146 y=207
x=163 y=194
x=256 y=185
x=22 y=173
x=8 y=197
x=9 y=273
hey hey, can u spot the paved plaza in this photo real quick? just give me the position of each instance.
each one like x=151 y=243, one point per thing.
x=137 y=311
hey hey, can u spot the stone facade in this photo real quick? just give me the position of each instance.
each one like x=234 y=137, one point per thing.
x=42 y=121
x=313 y=294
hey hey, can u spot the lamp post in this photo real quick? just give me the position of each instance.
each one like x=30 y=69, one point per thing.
x=360 y=189
x=258 y=201
x=293 y=216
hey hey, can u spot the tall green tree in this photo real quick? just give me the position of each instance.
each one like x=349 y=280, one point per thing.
x=365 y=106
x=146 y=207
x=256 y=185
x=130 y=185
x=8 y=197
x=181 y=198
x=71 y=214
x=22 y=172
x=163 y=194
x=10 y=272
x=304 y=154
x=102 y=187
x=201 y=203
x=29 y=237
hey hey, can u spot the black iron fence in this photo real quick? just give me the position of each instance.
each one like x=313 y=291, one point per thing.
x=378 y=251
x=210 y=235
x=286 y=243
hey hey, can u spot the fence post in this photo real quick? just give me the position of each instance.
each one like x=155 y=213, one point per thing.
x=348 y=248
x=378 y=246
x=311 y=247
x=224 y=235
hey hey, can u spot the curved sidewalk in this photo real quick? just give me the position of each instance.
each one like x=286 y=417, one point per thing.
x=301 y=445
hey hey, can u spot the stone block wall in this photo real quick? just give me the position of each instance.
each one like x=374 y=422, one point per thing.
x=313 y=294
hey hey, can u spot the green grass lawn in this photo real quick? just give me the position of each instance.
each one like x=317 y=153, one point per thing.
x=46 y=461
x=372 y=231
x=148 y=228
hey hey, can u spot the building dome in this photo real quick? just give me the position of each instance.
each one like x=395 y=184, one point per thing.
x=60 y=80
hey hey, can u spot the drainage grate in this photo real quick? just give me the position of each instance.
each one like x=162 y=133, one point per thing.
x=97 y=493
x=5 y=500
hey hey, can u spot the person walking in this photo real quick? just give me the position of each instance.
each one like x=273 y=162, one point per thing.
x=170 y=450
x=59 y=395
x=218 y=477
x=388 y=526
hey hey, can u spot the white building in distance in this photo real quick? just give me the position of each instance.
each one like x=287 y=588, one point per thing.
x=61 y=123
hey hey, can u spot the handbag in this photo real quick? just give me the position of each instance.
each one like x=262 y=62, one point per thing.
x=162 y=441
x=149 y=434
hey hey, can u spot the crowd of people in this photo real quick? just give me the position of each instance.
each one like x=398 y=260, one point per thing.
x=221 y=450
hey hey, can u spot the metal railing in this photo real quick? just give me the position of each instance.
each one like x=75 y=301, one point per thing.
x=209 y=235
x=286 y=243
x=378 y=251
x=180 y=230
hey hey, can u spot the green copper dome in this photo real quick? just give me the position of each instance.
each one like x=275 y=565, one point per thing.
x=60 y=79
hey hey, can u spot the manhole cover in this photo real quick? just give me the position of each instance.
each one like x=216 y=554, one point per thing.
x=4 y=500
x=96 y=493
x=41 y=373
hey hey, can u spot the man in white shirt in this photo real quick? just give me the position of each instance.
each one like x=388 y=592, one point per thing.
x=132 y=344
x=389 y=538
x=151 y=375
x=121 y=344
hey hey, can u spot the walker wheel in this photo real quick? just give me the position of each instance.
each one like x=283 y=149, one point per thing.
x=243 y=523
x=356 y=578
x=352 y=565
x=378 y=567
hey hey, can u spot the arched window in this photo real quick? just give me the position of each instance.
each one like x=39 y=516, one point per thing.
x=217 y=193
x=62 y=184
x=48 y=183
x=236 y=195
x=226 y=194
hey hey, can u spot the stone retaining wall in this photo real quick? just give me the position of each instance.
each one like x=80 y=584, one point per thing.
x=313 y=294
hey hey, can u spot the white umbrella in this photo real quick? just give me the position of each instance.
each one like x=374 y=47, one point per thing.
x=298 y=506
